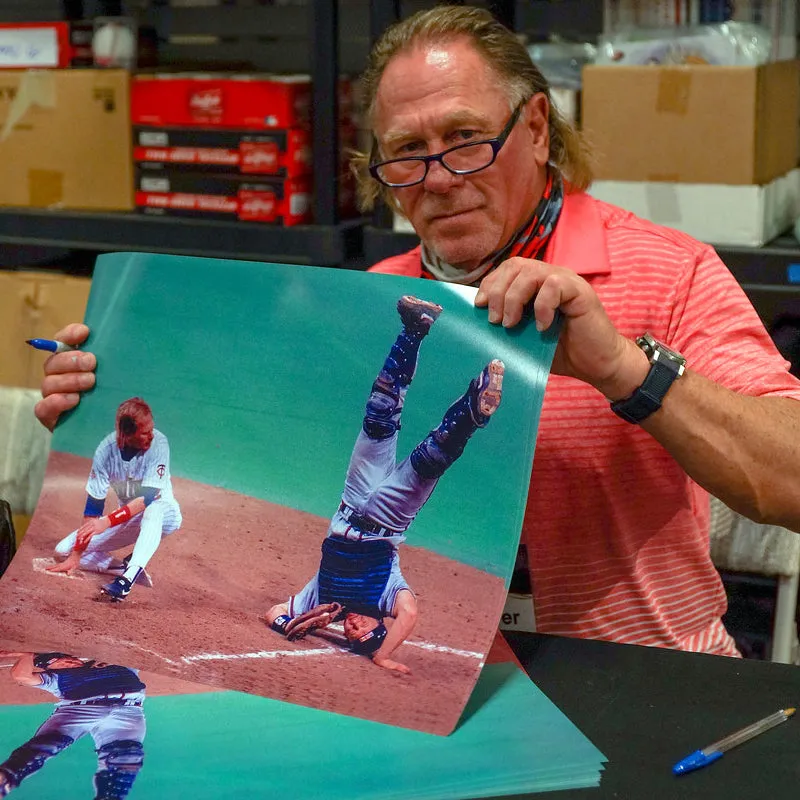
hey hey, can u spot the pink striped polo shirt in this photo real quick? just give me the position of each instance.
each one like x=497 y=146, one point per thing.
x=617 y=533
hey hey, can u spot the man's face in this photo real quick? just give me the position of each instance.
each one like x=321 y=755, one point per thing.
x=68 y=662
x=357 y=625
x=141 y=439
x=438 y=96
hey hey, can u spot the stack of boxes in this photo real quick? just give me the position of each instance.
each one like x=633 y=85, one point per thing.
x=709 y=150
x=227 y=147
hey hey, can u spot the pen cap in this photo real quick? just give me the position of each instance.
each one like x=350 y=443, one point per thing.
x=695 y=761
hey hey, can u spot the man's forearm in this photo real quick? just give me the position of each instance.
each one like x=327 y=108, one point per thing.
x=23 y=670
x=741 y=449
x=400 y=630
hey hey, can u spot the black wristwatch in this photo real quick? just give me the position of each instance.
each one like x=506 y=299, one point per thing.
x=665 y=367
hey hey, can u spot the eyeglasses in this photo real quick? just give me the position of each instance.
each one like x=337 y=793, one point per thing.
x=463 y=159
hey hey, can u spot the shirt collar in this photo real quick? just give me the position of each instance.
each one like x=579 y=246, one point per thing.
x=578 y=241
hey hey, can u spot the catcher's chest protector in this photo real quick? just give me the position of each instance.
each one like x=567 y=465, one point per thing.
x=355 y=574
x=83 y=682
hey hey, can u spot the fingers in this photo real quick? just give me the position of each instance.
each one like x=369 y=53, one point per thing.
x=507 y=292
x=66 y=376
x=393 y=666
x=74 y=363
x=49 y=410
x=75 y=334
x=555 y=291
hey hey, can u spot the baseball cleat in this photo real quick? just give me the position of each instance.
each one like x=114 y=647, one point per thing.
x=117 y=590
x=417 y=315
x=142 y=579
x=489 y=388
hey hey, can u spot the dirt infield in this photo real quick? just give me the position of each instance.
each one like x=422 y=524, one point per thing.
x=234 y=557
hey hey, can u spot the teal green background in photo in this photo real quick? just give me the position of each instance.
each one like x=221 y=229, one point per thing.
x=258 y=375
x=511 y=740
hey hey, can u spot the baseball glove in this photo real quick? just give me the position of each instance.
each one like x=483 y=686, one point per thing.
x=318 y=617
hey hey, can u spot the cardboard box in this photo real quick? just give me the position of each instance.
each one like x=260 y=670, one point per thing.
x=65 y=139
x=35 y=304
x=722 y=215
x=693 y=124
x=262 y=198
x=284 y=153
x=256 y=102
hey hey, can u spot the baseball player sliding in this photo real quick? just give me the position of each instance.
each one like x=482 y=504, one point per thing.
x=134 y=462
x=359 y=578
x=102 y=700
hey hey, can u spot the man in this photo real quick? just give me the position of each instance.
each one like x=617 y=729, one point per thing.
x=103 y=700
x=617 y=522
x=359 y=577
x=134 y=462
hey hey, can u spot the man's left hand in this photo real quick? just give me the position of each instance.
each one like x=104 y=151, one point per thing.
x=590 y=348
x=89 y=529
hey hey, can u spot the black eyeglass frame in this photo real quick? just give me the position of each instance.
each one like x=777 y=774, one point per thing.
x=495 y=142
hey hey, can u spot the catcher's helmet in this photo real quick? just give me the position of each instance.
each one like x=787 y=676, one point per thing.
x=367 y=644
x=44 y=660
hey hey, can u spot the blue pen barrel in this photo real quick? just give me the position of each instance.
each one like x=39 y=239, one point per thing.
x=695 y=761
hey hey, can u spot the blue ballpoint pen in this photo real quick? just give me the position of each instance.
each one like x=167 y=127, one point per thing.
x=50 y=345
x=701 y=758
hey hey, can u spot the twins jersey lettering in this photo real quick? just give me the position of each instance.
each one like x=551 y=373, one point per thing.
x=127 y=478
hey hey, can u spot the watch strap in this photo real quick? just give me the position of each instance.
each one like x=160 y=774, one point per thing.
x=648 y=397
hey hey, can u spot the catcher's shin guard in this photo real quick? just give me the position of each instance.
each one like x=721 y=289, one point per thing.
x=31 y=757
x=443 y=445
x=119 y=764
x=385 y=403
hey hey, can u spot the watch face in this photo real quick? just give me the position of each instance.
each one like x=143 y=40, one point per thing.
x=656 y=351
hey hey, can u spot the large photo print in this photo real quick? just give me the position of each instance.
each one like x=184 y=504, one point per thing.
x=296 y=482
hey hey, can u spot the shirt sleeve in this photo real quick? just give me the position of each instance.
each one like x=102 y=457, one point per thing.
x=49 y=684
x=99 y=483
x=715 y=327
x=305 y=599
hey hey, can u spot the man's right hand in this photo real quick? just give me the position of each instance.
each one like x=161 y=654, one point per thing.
x=71 y=563
x=393 y=666
x=66 y=375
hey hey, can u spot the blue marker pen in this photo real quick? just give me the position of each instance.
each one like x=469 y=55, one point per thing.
x=708 y=755
x=50 y=345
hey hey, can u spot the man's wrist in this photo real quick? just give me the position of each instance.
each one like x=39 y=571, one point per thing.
x=629 y=377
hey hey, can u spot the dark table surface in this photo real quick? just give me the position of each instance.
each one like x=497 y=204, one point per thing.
x=646 y=708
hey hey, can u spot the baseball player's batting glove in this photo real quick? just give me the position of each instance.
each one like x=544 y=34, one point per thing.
x=318 y=617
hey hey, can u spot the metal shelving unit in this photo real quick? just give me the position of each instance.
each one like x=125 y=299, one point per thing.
x=325 y=245
x=313 y=35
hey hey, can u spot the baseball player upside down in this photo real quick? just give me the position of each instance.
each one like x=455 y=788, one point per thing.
x=359 y=579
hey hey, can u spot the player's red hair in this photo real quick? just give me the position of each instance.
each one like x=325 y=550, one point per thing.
x=131 y=413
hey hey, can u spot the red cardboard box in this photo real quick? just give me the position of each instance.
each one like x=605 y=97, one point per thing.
x=284 y=153
x=273 y=200
x=256 y=102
